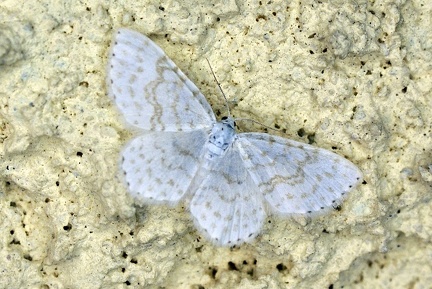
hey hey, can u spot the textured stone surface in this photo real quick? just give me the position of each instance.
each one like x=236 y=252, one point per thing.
x=353 y=77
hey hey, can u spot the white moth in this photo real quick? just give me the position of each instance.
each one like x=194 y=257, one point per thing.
x=183 y=153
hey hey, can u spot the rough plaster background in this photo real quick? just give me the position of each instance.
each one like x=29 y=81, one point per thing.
x=351 y=76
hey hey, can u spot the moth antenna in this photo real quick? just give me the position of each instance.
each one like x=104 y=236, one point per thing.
x=257 y=122
x=220 y=88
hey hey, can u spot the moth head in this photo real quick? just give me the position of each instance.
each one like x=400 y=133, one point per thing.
x=228 y=121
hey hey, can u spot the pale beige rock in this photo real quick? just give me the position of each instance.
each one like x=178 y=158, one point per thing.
x=351 y=75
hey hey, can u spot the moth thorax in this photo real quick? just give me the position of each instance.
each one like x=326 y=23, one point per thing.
x=220 y=138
